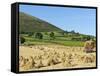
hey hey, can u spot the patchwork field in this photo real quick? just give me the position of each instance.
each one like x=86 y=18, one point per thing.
x=53 y=56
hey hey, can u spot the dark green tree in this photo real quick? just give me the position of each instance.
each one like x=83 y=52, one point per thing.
x=22 y=40
x=73 y=32
x=88 y=37
x=39 y=35
x=52 y=35
x=77 y=34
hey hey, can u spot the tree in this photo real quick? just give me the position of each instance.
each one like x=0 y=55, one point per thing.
x=77 y=34
x=66 y=32
x=73 y=32
x=39 y=35
x=22 y=40
x=88 y=37
x=52 y=35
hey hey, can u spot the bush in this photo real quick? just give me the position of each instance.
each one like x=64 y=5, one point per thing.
x=39 y=35
x=52 y=35
x=22 y=40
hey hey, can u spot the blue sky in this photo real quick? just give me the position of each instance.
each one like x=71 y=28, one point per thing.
x=78 y=19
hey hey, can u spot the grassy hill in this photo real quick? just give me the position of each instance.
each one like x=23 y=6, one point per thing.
x=30 y=23
x=31 y=26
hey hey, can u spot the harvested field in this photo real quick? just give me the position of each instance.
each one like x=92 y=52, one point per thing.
x=51 y=56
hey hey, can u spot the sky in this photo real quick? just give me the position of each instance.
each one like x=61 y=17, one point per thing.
x=82 y=20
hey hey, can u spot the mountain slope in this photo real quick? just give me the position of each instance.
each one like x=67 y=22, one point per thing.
x=28 y=23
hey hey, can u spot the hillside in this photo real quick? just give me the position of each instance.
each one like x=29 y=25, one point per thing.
x=28 y=23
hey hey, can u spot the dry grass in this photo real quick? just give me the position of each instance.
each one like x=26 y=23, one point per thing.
x=44 y=57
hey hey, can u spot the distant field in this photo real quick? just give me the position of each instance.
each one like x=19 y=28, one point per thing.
x=31 y=40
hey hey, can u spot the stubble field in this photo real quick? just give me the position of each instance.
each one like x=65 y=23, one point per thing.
x=51 y=56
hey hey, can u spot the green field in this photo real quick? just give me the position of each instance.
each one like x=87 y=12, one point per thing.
x=61 y=41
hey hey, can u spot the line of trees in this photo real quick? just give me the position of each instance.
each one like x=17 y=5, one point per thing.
x=37 y=35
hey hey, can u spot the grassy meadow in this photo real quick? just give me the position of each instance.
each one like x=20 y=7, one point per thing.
x=62 y=40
